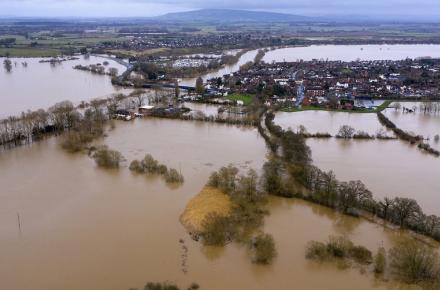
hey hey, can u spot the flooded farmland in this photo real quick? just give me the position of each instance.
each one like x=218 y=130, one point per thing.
x=352 y=52
x=82 y=227
x=40 y=85
x=328 y=122
x=389 y=168
x=420 y=122
x=110 y=229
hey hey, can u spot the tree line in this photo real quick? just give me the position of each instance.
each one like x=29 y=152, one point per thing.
x=406 y=136
x=289 y=173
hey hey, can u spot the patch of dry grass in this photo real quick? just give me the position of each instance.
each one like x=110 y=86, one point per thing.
x=209 y=200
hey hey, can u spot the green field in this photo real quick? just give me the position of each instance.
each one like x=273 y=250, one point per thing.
x=247 y=99
x=40 y=45
x=29 y=52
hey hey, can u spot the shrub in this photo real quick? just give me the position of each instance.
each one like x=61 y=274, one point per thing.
x=193 y=286
x=136 y=166
x=413 y=262
x=162 y=169
x=380 y=261
x=339 y=246
x=316 y=251
x=362 y=135
x=216 y=230
x=173 y=176
x=264 y=249
x=107 y=158
x=150 y=164
x=361 y=255
x=160 y=286
x=76 y=141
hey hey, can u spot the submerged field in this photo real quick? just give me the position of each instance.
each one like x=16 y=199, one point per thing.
x=125 y=227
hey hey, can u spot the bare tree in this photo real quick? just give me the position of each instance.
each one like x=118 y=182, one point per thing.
x=404 y=209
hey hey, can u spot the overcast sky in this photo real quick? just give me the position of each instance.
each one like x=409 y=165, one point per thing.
x=111 y=8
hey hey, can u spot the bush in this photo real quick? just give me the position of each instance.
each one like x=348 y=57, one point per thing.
x=160 y=286
x=380 y=261
x=216 y=230
x=361 y=255
x=413 y=262
x=76 y=141
x=339 y=246
x=162 y=169
x=264 y=249
x=107 y=158
x=136 y=166
x=316 y=251
x=193 y=286
x=150 y=164
x=173 y=176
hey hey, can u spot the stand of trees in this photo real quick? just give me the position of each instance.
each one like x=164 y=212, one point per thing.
x=151 y=166
x=248 y=210
x=409 y=261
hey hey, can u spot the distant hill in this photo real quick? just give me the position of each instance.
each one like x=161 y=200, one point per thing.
x=229 y=15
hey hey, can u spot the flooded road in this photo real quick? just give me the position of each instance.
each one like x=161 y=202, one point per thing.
x=89 y=228
x=41 y=85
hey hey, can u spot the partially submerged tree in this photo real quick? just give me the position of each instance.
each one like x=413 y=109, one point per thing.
x=263 y=247
x=107 y=158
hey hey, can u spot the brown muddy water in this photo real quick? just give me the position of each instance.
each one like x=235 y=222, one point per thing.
x=418 y=123
x=389 y=168
x=353 y=52
x=328 y=122
x=87 y=228
x=41 y=85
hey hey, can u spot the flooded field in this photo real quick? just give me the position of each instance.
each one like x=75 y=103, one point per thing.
x=89 y=228
x=83 y=227
x=41 y=85
x=420 y=122
x=389 y=168
x=246 y=57
x=328 y=122
x=352 y=52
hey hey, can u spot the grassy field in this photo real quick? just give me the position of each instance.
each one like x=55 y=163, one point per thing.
x=139 y=53
x=362 y=111
x=209 y=200
x=52 y=46
x=247 y=99
x=29 y=52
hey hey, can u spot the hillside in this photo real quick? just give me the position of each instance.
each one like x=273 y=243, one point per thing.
x=228 y=15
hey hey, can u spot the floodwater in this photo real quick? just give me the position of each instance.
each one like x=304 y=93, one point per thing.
x=88 y=228
x=418 y=123
x=207 y=109
x=352 y=52
x=389 y=168
x=41 y=85
x=328 y=122
x=246 y=57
